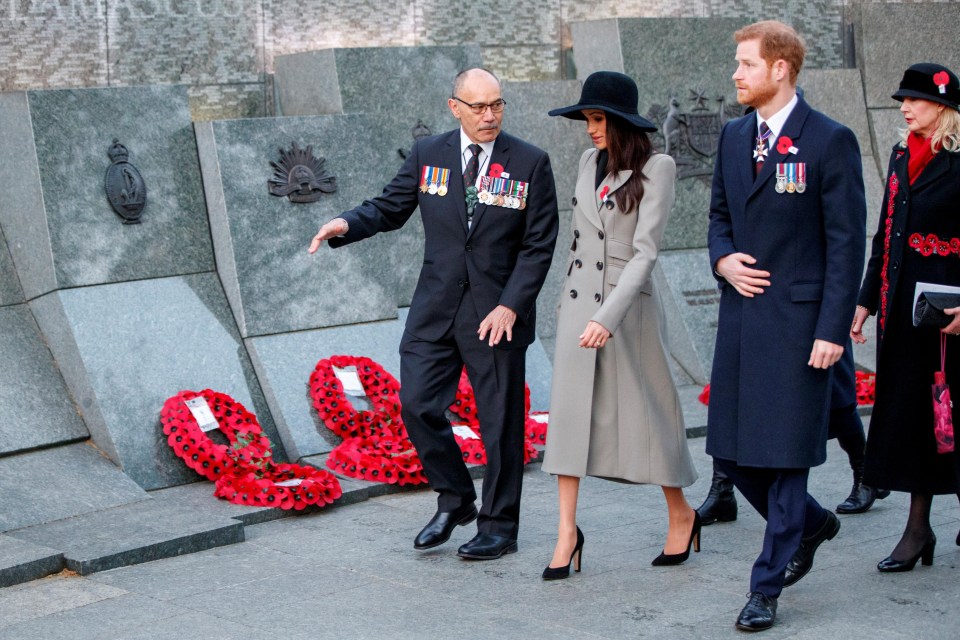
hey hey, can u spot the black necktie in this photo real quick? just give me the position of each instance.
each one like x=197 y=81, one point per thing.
x=760 y=150
x=473 y=167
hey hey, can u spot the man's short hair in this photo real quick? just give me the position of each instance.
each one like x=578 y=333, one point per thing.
x=461 y=77
x=777 y=42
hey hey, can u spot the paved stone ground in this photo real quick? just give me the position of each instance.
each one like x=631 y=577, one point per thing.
x=351 y=572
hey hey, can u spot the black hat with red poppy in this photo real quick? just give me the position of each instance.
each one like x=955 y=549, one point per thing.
x=611 y=92
x=930 y=81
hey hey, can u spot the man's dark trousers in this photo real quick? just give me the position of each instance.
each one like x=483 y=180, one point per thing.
x=429 y=373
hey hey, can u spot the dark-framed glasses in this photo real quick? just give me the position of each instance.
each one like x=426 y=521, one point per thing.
x=479 y=107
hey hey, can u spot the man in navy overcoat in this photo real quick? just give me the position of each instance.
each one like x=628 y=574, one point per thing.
x=488 y=247
x=786 y=241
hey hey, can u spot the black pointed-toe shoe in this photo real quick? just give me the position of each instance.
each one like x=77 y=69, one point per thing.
x=758 y=614
x=559 y=573
x=666 y=560
x=802 y=559
x=925 y=556
x=487 y=546
x=442 y=524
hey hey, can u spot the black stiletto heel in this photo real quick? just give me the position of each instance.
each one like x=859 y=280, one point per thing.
x=666 y=560
x=925 y=556
x=559 y=573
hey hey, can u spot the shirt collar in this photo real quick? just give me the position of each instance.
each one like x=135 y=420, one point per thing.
x=484 y=157
x=777 y=120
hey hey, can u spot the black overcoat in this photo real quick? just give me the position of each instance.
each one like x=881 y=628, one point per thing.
x=901 y=450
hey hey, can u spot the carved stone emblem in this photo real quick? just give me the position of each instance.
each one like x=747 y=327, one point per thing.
x=300 y=176
x=419 y=130
x=124 y=185
x=691 y=137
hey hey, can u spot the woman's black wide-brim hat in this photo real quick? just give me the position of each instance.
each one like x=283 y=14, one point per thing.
x=930 y=81
x=611 y=92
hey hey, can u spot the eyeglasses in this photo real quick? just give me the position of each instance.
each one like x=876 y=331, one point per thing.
x=479 y=107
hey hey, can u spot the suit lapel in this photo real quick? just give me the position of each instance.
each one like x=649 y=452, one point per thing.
x=501 y=156
x=455 y=191
x=744 y=152
x=586 y=194
x=792 y=129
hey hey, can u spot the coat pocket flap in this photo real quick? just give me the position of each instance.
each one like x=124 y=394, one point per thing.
x=617 y=250
x=613 y=277
x=806 y=291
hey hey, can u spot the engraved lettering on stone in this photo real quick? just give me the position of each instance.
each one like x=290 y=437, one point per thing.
x=701 y=297
x=691 y=138
x=300 y=176
x=419 y=130
x=126 y=190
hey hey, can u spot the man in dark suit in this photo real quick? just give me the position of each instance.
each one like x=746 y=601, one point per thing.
x=489 y=240
x=786 y=240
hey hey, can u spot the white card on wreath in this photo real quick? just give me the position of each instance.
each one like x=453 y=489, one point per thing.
x=351 y=381
x=465 y=431
x=289 y=483
x=201 y=413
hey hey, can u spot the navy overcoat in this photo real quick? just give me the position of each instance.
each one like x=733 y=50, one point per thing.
x=768 y=408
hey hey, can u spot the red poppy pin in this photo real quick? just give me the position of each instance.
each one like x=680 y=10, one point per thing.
x=604 y=192
x=785 y=145
x=941 y=79
x=496 y=170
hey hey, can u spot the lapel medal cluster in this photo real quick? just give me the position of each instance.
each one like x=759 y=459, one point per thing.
x=791 y=177
x=503 y=192
x=434 y=180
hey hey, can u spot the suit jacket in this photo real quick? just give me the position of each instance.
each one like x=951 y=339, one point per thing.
x=768 y=408
x=640 y=437
x=503 y=257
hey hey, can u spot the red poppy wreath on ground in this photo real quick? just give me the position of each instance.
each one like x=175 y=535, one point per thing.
x=243 y=470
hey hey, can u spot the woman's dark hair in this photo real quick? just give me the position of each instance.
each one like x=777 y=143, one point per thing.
x=628 y=148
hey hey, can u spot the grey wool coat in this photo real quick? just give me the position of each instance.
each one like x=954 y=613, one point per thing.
x=614 y=411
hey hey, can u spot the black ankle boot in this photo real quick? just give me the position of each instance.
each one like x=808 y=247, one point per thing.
x=721 y=502
x=861 y=496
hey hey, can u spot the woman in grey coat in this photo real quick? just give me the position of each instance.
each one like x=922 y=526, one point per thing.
x=614 y=411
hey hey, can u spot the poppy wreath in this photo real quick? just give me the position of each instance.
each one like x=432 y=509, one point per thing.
x=866 y=387
x=248 y=445
x=340 y=416
x=465 y=407
x=243 y=472
x=388 y=459
x=283 y=486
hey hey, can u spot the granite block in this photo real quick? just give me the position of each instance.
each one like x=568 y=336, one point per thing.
x=22 y=212
x=261 y=240
x=24 y=604
x=72 y=130
x=160 y=337
x=886 y=125
x=52 y=44
x=131 y=534
x=377 y=82
x=284 y=362
x=691 y=296
x=198 y=497
x=58 y=483
x=161 y=42
x=10 y=290
x=35 y=408
x=21 y=561
x=339 y=23
x=838 y=93
x=885 y=53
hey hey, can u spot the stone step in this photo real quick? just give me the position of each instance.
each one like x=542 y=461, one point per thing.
x=22 y=561
x=134 y=533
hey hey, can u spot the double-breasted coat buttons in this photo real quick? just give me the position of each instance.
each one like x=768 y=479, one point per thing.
x=599 y=266
x=573 y=293
x=597 y=297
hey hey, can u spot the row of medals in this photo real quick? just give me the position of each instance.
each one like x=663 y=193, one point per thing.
x=501 y=200
x=790 y=187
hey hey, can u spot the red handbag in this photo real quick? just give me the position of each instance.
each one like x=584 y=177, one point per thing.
x=942 y=406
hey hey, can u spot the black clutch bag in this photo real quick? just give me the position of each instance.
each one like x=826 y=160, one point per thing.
x=929 y=309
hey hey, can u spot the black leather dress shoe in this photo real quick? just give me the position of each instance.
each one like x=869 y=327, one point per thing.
x=758 y=614
x=720 y=504
x=442 y=524
x=486 y=546
x=802 y=560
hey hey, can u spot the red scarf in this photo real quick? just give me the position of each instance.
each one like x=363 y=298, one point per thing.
x=920 y=155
